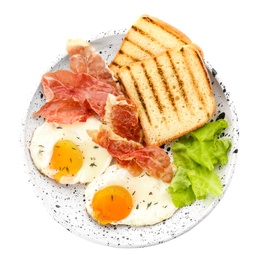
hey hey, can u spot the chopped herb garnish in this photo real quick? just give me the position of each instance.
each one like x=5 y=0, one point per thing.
x=59 y=127
x=149 y=204
x=96 y=147
x=134 y=192
x=93 y=164
x=112 y=197
x=70 y=159
x=137 y=207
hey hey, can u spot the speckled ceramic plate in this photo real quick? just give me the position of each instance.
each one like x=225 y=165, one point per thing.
x=66 y=203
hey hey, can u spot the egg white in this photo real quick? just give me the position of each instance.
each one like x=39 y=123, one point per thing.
x=151 y=201
x=96 y=158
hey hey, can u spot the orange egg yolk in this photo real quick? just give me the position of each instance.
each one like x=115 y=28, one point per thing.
x=111 y=204
x=67 y=159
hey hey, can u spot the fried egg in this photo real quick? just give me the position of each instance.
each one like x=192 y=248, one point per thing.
x=66 y=153
x=116 y=197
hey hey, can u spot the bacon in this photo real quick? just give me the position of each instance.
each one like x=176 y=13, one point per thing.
x=133 y=155
x=62 y=84
x=78 y=91
x=116 y=145
x=64 y=112
x=84 y=58
x=122 y=116
x=154 y=161
x=133 y=168
x=97 y=92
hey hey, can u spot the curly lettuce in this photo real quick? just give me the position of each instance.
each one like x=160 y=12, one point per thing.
x=195 y=157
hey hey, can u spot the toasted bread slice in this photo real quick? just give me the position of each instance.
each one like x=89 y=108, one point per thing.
x=172 y=91
x=147 y=37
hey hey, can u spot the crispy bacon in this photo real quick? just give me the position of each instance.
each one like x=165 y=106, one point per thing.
x=122 y=116
x=116 y=145
x=154 y=161
x=79 y=91
x=133 y=168
x=65 y=112
x=134 y=156
x=84 y=58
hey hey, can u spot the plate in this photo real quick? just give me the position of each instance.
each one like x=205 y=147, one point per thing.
x=66 y=203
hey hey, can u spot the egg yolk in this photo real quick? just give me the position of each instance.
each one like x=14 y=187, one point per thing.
x=67 y=159
x=111 y=204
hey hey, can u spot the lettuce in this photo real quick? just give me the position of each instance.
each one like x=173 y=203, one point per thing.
x=195 y=157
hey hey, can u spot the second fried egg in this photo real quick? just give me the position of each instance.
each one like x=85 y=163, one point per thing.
x=65 y=152
x=116 y=197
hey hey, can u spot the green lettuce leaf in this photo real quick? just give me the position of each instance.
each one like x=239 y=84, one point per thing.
x=195 y=156
x=205 y=182
x=181 y=189
x=182 y=198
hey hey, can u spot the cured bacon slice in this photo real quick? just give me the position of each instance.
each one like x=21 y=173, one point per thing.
x=116 y=145
x=154 y=161
x=62 y=84
x=133 y=155
x=96 y=93
x=64 y=112
x=122 y=116
x=133 y=168
x=78 y=91
x=84 y=58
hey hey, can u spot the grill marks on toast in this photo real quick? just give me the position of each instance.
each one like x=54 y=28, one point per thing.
x=148 y=36
x=197 y=91
x=133 y=40
x=139 y=94
x=166 y=84
x=152 y=87
x=194 y=82
x=182 y=88
x=166 y=29
x=135 y=44
x=172 y=91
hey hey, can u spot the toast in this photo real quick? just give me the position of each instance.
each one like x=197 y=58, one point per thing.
x=172 y=91
x=147 y=37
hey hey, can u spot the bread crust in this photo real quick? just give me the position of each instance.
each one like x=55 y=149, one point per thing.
x=171 y=29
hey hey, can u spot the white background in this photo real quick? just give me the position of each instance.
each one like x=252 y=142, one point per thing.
x=33 y=33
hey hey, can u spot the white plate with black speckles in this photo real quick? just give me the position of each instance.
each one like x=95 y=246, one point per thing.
x=66 y=203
